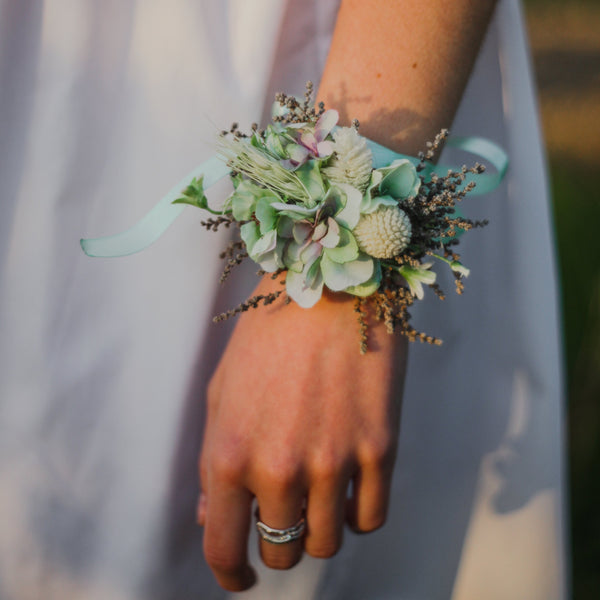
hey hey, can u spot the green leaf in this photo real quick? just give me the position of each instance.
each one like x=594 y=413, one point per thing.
x=297 y=289
x=376 y=202
x=313 y=273
x=311 y=252
x=350 y=214
x=295 y=211
x=320 y=231
x=245 y=198
x=256 y=141
x=338 y=277
x=311 y=180
x=369 y=287
x=190 y=201
x=346 y=250
x=402 y=181
x=365 y=205
x=334 y=201
x=301 y=231
x=242 y=205
x=265 y=243
x=236 y=180
x=250 y=234
x=266 y=215
x=285 y=226
x=291 y=256
x=273 y=143
x=193 y=195
x=273 y=259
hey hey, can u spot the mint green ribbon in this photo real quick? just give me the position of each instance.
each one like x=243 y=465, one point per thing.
x=488 y=151
x=150 y=227
x=157 y=221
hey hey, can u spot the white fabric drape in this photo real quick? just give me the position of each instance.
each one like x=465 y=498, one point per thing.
x=103 y=362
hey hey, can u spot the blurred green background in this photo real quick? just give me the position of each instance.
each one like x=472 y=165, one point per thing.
x=565 y=40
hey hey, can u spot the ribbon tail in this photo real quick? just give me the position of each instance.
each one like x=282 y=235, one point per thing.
x=150 y=227
x=485 y=149
x=488 y=151
x=383 y=156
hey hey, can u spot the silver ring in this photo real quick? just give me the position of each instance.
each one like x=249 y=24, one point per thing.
x=280 y=536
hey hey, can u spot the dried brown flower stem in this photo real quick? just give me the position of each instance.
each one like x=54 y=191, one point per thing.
x=252 y=302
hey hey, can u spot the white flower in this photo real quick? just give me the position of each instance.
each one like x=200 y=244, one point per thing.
x=352 y=161
x=417 y=276
x=384 y=233
x=459 y=268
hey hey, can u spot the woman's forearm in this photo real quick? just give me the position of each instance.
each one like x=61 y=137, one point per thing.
x=400 y=66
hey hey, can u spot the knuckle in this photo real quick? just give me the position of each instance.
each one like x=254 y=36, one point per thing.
x=227 y=466
x=281 y=473
x=378 y=452
x=326 y=465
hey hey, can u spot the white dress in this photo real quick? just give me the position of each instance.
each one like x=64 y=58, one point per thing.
x=103 y=362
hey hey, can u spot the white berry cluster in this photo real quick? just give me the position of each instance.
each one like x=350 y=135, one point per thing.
x=384 y=233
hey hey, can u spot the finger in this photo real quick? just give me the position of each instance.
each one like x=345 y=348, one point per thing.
x=227 y=524
x=281 y=512
x=203 y=465
x=201 y=510
x=325 y=515
x=203 y=480
x=369 y=502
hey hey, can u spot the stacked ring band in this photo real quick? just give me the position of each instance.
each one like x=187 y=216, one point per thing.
x=280 y=536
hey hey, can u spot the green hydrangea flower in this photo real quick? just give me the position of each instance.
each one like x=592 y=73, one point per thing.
x=315 y=244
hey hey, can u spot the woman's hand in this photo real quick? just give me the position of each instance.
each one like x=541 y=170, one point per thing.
x=295 y=415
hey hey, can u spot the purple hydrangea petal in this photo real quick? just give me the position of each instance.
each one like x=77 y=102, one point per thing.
x=324 y=149
x=326 y=122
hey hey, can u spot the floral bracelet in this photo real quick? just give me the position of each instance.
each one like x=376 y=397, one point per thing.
x=324 y=206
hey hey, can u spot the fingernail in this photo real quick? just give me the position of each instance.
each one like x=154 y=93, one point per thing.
x=201 y=510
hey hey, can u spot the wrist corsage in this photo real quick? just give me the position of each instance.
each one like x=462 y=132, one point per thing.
x=323 y=207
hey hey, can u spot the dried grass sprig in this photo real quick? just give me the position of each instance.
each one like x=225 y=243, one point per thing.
x=252 y=302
